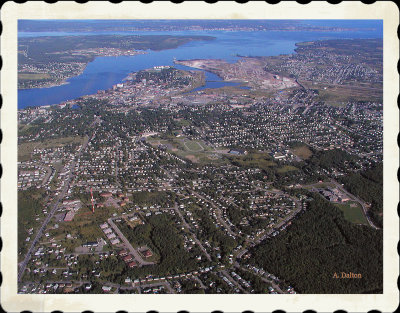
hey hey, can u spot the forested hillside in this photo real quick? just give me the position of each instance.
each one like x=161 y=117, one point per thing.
x=319 y=244
x=368 y=185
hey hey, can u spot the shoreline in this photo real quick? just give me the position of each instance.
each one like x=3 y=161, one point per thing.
x=65 y=80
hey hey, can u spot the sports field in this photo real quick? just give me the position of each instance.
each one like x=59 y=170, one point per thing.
x=193 y=146
x=302 y=152
x=353 y=213
x=196 y=151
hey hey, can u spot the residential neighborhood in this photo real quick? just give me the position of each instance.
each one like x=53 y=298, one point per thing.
x=159 y=185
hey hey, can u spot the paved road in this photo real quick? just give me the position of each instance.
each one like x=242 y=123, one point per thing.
x=351 y=196
x=262 y=278
x=280 y=224
x=49 y=171
x=128 y=245
x=362 y=203
x=219 y=213
x=225 y=273
x=193 y=235
x=202 y=286
x=269 y=232
x=116 y=166
x=165 y=284
x=23 y=264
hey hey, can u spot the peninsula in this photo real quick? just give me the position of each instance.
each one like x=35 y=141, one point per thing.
x=49 y=61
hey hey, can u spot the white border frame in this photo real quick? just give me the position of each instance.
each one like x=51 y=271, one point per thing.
x=11 y=12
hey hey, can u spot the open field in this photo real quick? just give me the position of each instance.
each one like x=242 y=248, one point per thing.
x=23 y=128
x=286 y=168
x=33 y=76
x=84 y=226
x=337 y=95
x=195 y=151
x=193 y=146
x=302 y=152
x=183 y=122
x=25 y=149
x=353 y=213
x=260 y=160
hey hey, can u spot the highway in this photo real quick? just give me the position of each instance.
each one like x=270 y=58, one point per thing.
x=39 y=234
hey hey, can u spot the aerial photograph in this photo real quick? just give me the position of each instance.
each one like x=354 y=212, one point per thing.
x=200 y=156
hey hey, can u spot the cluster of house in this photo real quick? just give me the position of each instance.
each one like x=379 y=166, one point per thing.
x=29 y=176
x=263 y=273
x=56 y=72
x=131 y=162
x=140 y=92
x=109 y=233
x=47 y=288
x=242 y=281
x=262 y=126
x=127 y=258
x=157 y=289
x=105 y=51
x=340 y=66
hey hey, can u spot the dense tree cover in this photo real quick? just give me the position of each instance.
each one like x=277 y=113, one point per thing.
x=213 y=234
x=139 y=235
x=163 y=198
x=319 y=244
x=236 y=215
x=190 y=286
x=109 y=268
x=256 y=282
x=162 y=235
x=368 y=185
x=331 y=158
x=280 y=173
x=30 y=205
x=56 y=49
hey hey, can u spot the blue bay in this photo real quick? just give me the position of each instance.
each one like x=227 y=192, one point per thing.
x=104 y=72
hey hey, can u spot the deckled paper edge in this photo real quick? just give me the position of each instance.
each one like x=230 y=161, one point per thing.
x=11 y=301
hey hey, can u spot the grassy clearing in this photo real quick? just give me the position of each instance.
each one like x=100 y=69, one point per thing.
x=193 y=146
x=23 y=128
x=339 y=95
x=260 y=160
x=25 y=149
x=286 y=168
x=195 y=151
x=33 y=76
x=183 y=122
x=84 y=226
x=353 y=213
x=302 y=152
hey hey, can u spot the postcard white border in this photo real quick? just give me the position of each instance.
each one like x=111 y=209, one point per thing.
x=12 y=302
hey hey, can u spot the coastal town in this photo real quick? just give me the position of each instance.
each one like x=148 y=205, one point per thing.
x=158 y=186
